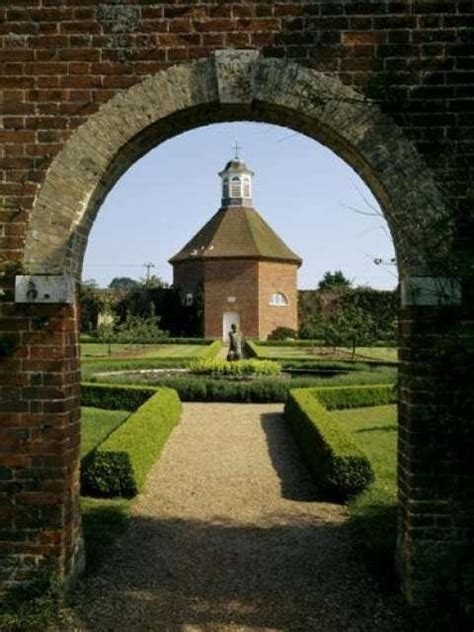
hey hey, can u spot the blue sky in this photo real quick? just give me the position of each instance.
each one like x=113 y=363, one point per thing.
x=302 y=189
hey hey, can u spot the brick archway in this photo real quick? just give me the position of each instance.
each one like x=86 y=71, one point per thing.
x=231 y=85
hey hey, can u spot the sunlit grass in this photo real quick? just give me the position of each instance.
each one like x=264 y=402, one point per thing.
x=292 y=352
x=97 y=424
x=99 y=350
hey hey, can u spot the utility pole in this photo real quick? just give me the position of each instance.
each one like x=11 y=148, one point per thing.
x=148 y=267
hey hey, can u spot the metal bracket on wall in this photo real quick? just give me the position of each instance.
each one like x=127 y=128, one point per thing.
x=47 y=288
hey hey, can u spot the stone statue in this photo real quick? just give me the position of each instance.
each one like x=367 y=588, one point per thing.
x=235 y=344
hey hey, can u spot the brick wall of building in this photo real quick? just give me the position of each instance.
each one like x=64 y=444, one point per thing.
x=236 y=279
x=277 y=277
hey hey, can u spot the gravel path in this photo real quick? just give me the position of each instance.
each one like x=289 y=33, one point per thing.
x=228 y=537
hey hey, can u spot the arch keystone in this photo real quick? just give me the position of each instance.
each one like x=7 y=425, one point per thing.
x=234 y=73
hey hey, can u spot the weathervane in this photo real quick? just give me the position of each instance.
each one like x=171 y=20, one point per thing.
x=237 y=148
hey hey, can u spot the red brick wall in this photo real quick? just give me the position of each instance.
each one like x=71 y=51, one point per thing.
x=226 y=278
x=277 y=277
x=60 y=63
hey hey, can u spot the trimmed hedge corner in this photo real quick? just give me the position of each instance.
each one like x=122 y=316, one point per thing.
x=119 y=466
x=340 y=467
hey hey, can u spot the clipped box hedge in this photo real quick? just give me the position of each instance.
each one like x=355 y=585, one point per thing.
x=340 y=467
x=120 y=464
x=115 y=397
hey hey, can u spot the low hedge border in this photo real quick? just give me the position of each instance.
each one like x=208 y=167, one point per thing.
x=212 y=351
x=207 y=389
x=120 y=464
x=340 y=467
x=115 y=397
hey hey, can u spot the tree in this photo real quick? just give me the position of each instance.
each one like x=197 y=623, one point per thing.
x=90 y=305
x=139 y=329
x=352 y=327
x=153 y=281
x=334 y=280
x=123 y=284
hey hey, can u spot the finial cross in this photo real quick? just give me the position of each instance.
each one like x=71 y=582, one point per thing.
x=237 y=149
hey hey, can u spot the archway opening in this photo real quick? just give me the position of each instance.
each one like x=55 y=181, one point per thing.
x=184 y=192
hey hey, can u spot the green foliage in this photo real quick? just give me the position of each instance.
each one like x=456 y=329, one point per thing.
x=338 y=398
x=145 y=329
x=123 y=284
x=119 y=390
x=239 y=368
x=332 y=280
x=316 y=309
x=118 y=467
x=91 y=304
x=340 y=467
x=112 y=397
x=35 y=606
x=283 y=333
x=176 y=317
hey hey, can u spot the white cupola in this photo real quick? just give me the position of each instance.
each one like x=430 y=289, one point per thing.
x=236 y=183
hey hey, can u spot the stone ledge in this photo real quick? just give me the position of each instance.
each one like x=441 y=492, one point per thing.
x=46 y=288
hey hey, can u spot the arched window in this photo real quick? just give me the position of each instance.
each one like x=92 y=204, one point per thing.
x=225 y=188
x=279 y=299
x=235 y=189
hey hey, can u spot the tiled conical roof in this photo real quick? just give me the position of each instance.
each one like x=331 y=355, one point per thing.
x=236 y=233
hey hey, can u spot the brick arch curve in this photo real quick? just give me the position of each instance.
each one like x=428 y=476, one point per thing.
x=232 y=85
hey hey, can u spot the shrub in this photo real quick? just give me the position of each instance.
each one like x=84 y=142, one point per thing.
x=118 y=467
x=357 y=396
x=238 y=368
x=123 y=391
x=340 y=467
x=283 y=333
x=115 y=397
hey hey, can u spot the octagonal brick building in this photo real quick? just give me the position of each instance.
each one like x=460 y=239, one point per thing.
x=238 y=266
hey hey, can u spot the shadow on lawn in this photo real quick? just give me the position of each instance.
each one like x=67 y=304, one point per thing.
x=393 y=428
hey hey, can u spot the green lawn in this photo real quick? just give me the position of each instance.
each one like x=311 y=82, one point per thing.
x=386 y=354
x=100 y=350
x=374 y=512
x=97 y=424
x=375 y=430
x=298 y=353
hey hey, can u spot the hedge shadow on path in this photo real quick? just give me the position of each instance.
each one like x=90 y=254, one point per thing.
x=295 y=478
